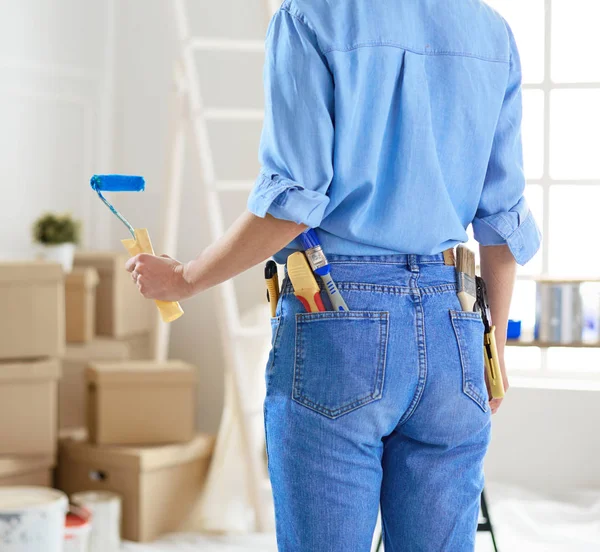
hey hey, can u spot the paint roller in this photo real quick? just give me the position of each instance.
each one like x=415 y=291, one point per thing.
x=140 y=242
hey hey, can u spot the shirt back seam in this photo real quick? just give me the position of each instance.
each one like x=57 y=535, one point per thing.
x=415 y=51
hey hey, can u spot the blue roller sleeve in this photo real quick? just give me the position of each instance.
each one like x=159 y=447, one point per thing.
x=117 y=183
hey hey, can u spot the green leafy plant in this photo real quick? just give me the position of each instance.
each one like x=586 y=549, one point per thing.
x=52 y=229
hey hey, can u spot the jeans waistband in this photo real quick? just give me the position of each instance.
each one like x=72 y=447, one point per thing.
x=446 y=257
x=400 y=259
x=396 y=274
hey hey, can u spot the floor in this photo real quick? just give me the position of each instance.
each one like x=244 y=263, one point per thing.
x=524 y=521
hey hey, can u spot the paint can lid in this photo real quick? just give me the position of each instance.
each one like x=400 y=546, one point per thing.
x=18 y=499
x=77 y=517
x=94 y=497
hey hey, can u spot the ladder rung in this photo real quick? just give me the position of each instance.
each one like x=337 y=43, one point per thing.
x=226 y=45
x=217 y=114
x=234 y=185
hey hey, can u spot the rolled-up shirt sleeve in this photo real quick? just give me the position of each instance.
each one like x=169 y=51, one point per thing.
x=503 y=216
x=296 y=147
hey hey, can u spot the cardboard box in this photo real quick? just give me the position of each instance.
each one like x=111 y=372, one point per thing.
x=80 y=299
x=32 y=296
x=120 y=309
x=29 y=407
x=141 y=402
x=17 y=471
x=74 y=433
x=159 y=485
x=72 y=389
x=140 y=346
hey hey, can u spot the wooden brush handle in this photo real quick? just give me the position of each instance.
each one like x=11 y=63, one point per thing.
x=492 y=366
x=169 y=311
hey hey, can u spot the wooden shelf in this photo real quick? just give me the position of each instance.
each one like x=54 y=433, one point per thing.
x=546 y=345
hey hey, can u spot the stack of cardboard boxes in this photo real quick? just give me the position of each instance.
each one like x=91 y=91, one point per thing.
x=141 y=444
x=127 y=425
x=107 y=320
x=32 y=341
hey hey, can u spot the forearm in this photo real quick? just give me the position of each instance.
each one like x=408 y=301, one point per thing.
x=249 y=241
x=498 y=270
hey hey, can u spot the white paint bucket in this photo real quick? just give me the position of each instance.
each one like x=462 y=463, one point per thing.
x=106 y=519
x=32 y=519
x=77 y=530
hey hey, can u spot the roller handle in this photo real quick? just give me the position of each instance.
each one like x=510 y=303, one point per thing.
x=169 y=311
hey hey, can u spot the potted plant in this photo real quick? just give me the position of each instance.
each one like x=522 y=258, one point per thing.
x=58 y=235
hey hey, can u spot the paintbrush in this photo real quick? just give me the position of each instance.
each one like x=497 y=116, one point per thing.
x=465 y=278
x=303 y=281
x=320 y=265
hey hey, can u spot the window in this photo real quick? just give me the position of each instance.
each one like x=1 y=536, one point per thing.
x=560 y=51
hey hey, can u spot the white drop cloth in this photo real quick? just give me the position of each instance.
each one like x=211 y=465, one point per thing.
x=524 y=521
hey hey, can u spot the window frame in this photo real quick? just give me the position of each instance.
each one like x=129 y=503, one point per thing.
x=546 y=183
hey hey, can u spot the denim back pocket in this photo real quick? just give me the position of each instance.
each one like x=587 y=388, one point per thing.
x=340 y=360
x=468 y=327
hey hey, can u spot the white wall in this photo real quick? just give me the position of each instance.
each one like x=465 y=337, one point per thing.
x=547 y=440
x=54 y=110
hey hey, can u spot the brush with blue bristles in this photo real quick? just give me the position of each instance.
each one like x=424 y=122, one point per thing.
x=140 y=243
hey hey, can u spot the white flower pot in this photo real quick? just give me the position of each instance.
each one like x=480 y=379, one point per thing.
x=62 y=254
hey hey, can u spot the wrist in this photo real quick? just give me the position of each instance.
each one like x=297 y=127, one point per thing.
x=190 y=275
x=500 y=347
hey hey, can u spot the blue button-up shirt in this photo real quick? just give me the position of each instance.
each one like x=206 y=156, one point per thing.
x=391 y=126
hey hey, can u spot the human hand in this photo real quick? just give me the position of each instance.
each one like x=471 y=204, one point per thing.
x=495 y=403
x=161 y=278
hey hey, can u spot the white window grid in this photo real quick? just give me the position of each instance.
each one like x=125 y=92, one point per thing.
x=547 y=86
x=546 y=183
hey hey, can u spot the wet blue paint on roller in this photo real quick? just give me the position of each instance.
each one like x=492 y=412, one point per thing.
x=117 y=183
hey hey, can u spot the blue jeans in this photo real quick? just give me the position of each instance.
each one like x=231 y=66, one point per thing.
x=383 y=406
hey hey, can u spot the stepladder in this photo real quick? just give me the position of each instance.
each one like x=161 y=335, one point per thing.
x=244 y=336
